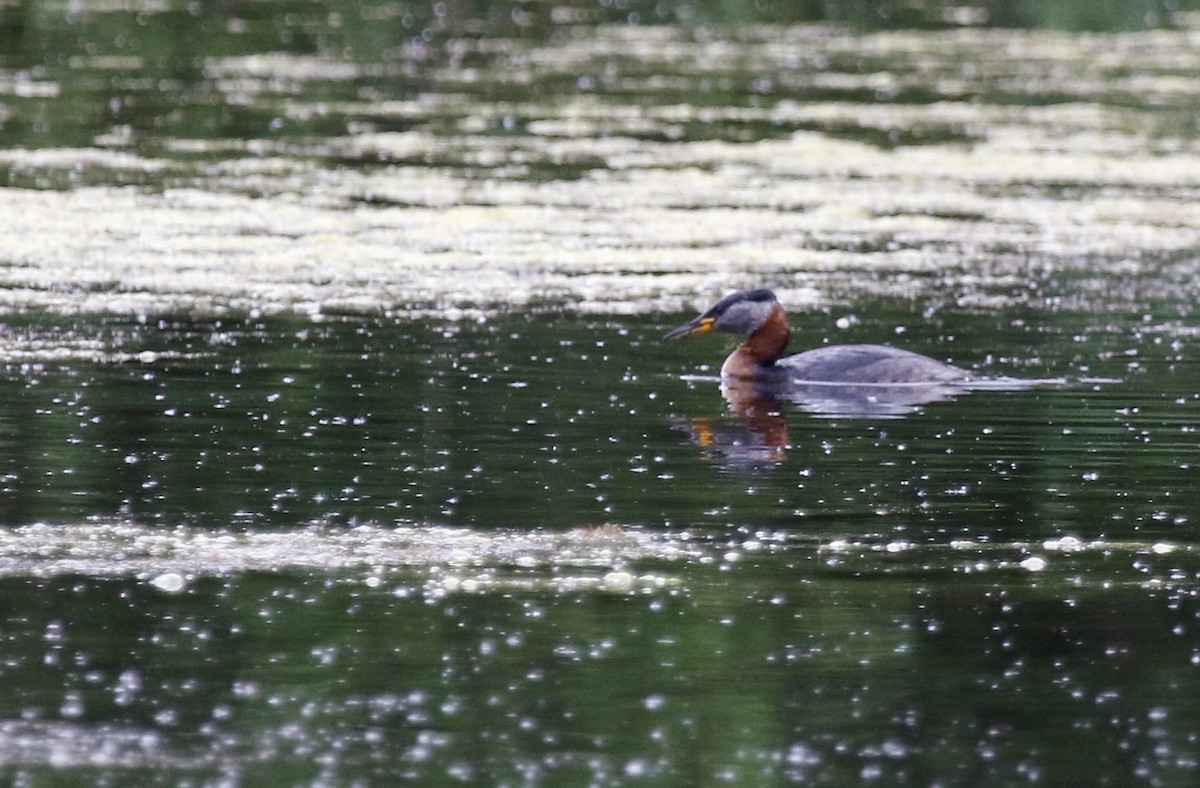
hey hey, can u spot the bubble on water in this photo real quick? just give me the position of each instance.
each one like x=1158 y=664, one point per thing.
x=72 y=706
x=169 y=582
x=800 y=754
x=617 y=581
x=166 y=717
x=129 y=684
x=1034 y=563
x=1066 y=544
x=637 y=767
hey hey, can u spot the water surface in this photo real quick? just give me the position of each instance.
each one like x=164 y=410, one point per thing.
x=341 y=445
x=531 y=549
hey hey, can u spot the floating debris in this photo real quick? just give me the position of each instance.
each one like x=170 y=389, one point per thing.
x=461 y=559
x=995 y=190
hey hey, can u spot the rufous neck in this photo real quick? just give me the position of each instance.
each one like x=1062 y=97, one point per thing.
x=768 y=343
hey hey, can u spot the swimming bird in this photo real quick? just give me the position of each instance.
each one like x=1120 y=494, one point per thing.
x=758 y=314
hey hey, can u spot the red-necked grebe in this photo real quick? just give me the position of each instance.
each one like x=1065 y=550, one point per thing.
x=758 y=314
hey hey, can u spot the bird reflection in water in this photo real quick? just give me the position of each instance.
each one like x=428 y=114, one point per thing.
x=757 y=438
x=757 y=434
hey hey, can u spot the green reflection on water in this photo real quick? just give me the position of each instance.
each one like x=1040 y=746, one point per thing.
x=156 y=73
x=780 y=666
x=914 y=600
x=550 y=421
x=828 y=627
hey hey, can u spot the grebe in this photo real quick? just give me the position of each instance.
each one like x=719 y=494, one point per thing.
x=760 y=358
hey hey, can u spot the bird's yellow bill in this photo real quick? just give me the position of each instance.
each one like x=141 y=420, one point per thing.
x=698 y=326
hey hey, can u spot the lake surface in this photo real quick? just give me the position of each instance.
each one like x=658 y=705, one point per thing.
x=341 y=445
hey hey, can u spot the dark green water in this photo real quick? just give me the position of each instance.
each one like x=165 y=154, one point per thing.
x=549 y=421
x=340 y=445
x=774 y=669
x=997 y=588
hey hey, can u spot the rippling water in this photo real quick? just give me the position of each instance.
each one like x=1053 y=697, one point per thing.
x=546 y=548
x=341 y=444
x=560 y=422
